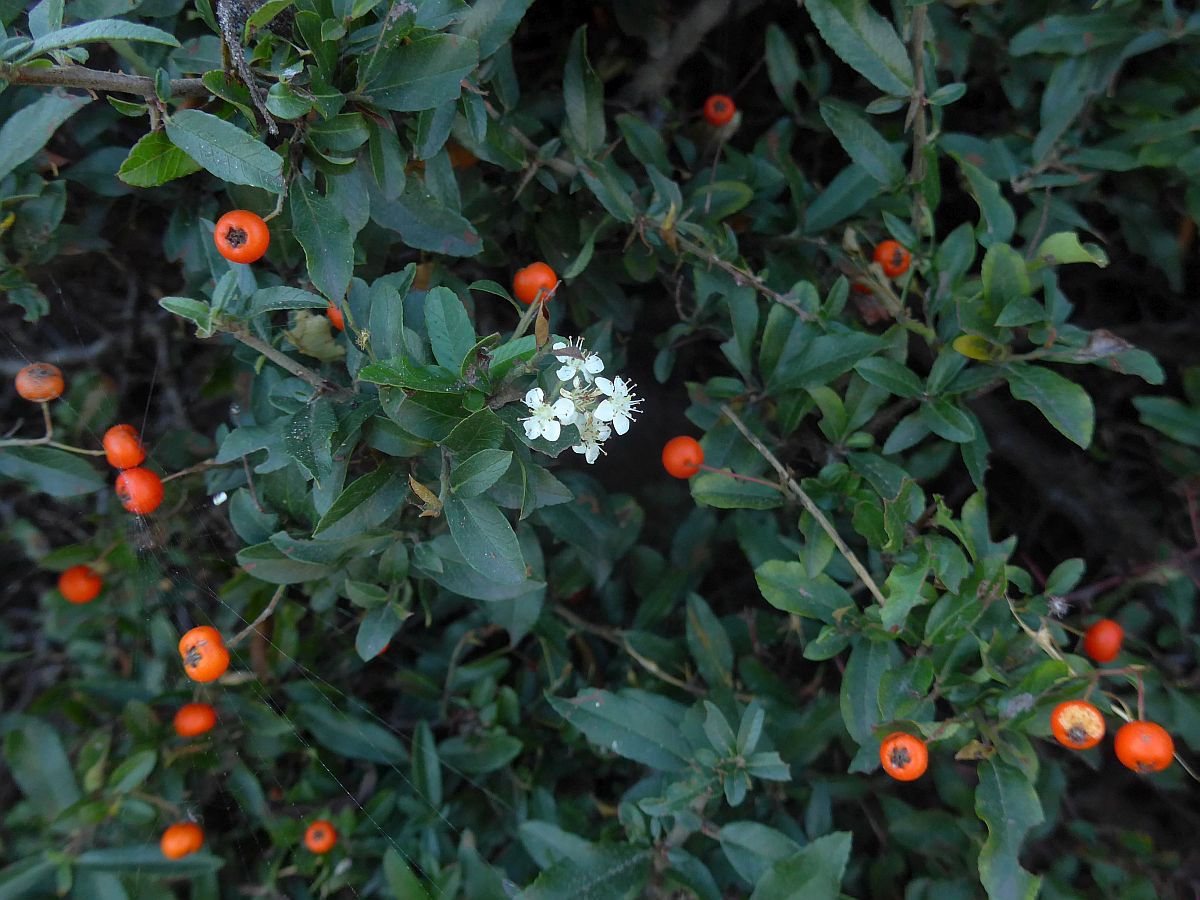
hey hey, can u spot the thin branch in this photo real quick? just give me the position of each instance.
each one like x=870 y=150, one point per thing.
x=98 y=80
x=666 y=58
x=45 y=439
x=741 y=276
x=191 y=470
x=262 y=617
x=284 y=361
x=799 y=493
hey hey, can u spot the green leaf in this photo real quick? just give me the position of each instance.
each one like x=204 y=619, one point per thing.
x=863 y=143
x=723 y=491
x=1172 y=418
x=28 y=877
x=546 y=843
x=325 y=235
x=268 y=563
x=783 y=67
x=403 y=374
x=51 y=471
x=485 y=539
x=284 y=297
x=864 y=40
x=422 y=74
x=132 y=772
x=198 y=312
x=1008 y=804
x=350 y=736
x=752 y=848
x=424 y=223
x=492 y=23
x=903 y=592
x=450 y=330
x=154 y=160
x=426 y=767
x=148 y=860
x=708 y=643
x=583 y=97
x=786 y=585
x=364 y=504
x=1066 y=405
x=1064 y=248
x=479 y=754
x=308 y=438
x=478 y=472
x=860 y=687
x=481 y=430
x=638 y=726
x=28 y=129
x=101 y=30
x=601 y=872
x=947 y=421
x=1005 y=279
x=40 y=767
x=851 y=190
x=401 y=879
x=821 y=359
x=884 y=372
x=814 y=873
x=998 y=215
x=377 y=628
x=643 y=142
x=225 y=150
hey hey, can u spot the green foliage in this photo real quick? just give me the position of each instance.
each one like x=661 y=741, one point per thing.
x=497 y=670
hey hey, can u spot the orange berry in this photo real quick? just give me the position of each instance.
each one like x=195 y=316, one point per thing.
x=320 y=836
x=241 y=236
x=1077 y=724
x=40 y=382
x=1144 y=747
x=682 y=456
x=181 y=839
x=535 y=280
x=140 y=491
x=904 y=757
x=80 y=584
x=123 y=447
x=203 y=653
x=1102 y=641
x=194 y=719
x=336 y=318
x=719 y=110
x=892 y=258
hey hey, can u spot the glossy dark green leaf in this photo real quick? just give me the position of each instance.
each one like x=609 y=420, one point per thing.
x=786 y=585
x=630 y=724
x=421 y=74
x=225 y=150
x=50 y=471
x=583 y=96
x=1009 y=806
x=1065 y=404
x=38 y=764
x=324 y=234
x=601 y=872
x=864 y=40
x=485 y=539
x=154 y=160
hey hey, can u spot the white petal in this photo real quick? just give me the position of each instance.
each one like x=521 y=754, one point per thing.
x=566 y=373
x=532 y=428
x=605 y=385
x=621 y=424
x=534 y=397
x=593 y=453
x=603 y=432
x=564 y=410
x=579 y=448
x=593 y=364
x=604 y=412
x=551 y=430
x=559 y=345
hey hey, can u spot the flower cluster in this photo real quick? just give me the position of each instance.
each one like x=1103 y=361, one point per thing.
x=593 y=405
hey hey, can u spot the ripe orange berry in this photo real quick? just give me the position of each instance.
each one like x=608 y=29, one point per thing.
x=336 y=318
x=140 y=491
x=181 y=839
x=535 y=280
x=241 y=236
x=892 y=258
x=123 y=447
x=203 y=653
x=40 y=382
x=904 y=757
x=194 y=719
x=682 y=456
x=1077 y=724
x=1102 y=641
x=1144 y=747
x=719 y=110
x=320 y=836
x=80 y=584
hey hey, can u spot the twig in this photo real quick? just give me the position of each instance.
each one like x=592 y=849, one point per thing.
x=191 y=470
x=282 y=360
x=262 y=617
x=741 y=276
x=45 y=439
x=97 y=80
x=807 y=502
x=660 y=69
x=916 y=107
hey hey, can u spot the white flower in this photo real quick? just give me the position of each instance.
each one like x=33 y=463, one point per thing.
x=546 y=419
x=586 y=364
x=620 y=405
x=591 y=435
